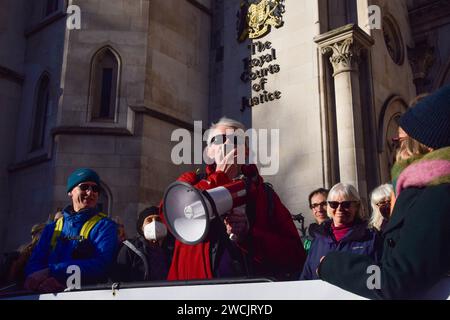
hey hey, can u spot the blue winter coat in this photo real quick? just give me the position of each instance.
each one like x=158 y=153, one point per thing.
x=94 y=259
x=359 y=240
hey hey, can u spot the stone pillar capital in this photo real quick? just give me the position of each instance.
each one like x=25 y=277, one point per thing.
x=343 y=55
x=343 y=46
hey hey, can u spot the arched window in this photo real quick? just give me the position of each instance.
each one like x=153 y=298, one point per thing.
x=51 y=6
x=104 y=199
x=40 y=113
x=104 y=92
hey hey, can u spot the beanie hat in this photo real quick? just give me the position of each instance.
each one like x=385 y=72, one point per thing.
x=144 y=214
x=82 y=175
x=429 y=120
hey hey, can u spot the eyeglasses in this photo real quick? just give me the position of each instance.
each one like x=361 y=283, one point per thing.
x=85 y=187
x=397 y=141
x=384 y=203
x=344 y=204
x=221 y=138
x=315 y=205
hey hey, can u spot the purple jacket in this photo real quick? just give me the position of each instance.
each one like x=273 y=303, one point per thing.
x=359 y=240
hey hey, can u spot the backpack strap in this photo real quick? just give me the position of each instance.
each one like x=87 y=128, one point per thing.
x=250 y=211
x=85 y=230
x=88 y=225
x=140 y=254
x=251 y=214
x=270 y=204
x=57 y=232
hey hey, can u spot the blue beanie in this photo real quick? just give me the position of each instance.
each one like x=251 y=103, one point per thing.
x=429 y=120
x=82 y=175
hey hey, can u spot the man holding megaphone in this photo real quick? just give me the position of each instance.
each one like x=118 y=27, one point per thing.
x=229 y=223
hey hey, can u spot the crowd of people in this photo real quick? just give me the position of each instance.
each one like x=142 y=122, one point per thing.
x=406 y=235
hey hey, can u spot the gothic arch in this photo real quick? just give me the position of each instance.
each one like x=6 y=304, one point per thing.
x=390 y=113
x=105 y=199
x=104 y=88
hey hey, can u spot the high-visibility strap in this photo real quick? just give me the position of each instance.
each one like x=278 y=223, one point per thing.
x=57 y=232
x=88 y=225
x=85 y=230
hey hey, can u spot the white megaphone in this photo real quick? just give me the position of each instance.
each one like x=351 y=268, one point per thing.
x=188 y=210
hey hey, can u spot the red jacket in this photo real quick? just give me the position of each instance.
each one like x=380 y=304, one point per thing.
x=275 y=243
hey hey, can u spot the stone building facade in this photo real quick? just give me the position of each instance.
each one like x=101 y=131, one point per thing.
x=109 y=95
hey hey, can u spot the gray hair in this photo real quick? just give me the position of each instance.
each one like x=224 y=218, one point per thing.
x=379 y=193
x=226 y=122
x=349 y=192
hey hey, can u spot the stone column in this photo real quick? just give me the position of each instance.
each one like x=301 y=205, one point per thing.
x=343 y=47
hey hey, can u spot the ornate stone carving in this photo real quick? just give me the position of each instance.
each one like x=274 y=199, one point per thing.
x=421 y=59
x=344 y=46
x=344 y=55
x=393 y=39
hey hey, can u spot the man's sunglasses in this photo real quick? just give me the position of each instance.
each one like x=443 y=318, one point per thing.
x=85 y=187
x=315 y=205
x=344 y=204
x=222 y=138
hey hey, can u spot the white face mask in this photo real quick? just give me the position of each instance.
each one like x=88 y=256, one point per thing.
x=155 y=230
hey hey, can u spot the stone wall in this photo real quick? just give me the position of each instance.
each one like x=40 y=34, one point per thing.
x=12 y=42
x=30 y=173
x=177 y=72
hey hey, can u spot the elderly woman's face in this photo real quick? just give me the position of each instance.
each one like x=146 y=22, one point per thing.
x=342 y=210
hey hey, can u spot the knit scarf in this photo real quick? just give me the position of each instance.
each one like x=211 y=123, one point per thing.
x=340 y=232
x=422 y=171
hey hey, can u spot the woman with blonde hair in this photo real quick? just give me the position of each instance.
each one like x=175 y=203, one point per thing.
x=380 y=201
